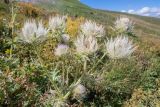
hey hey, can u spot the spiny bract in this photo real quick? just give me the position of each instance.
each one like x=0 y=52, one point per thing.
x=31 y=32
x=86 y=44
x=124 y=24
x=120 y=47
x=90 y=28
x=57 y=23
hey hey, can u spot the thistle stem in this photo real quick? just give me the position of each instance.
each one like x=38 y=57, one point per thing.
x=10 y=52
x=38 y=55
x=85 y=65
x=97 y=62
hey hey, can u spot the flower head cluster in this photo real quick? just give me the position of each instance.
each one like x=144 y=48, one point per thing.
x=57 y=23
x=90 y=28
x=119 y=47
x=124 y=24
x=31 y=32
x=86 y=44
x=61 y=50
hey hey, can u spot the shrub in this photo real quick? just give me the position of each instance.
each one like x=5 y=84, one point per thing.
x=73 y=26
x=29 y=10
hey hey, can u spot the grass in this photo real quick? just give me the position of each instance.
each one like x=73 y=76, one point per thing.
x=75 y=8
x=32 y=75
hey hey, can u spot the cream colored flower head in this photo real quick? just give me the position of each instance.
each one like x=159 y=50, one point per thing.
x=86 y=44
x=124 y=24
x=61 y=50
x=31 y=32
x=120 y=47
x=57 y=23
x=90 y=28
x=79 y=91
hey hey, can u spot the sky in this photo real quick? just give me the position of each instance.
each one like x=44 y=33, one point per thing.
x=140 y=7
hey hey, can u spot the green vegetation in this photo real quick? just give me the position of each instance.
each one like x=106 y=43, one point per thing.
x=75 y=8
x=63 y=66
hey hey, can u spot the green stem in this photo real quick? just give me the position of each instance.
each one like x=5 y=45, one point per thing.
x=12 y=28
x=85 y=65
x=57 y=90
x=97 y=62
x=10 y=52
x=38 y=55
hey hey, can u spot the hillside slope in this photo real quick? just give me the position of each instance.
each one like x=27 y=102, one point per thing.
x=147 y=25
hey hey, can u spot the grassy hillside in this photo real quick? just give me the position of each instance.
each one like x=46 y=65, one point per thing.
x=144 y=25
x=76 y=8
x=58 y=63
x=147 y=28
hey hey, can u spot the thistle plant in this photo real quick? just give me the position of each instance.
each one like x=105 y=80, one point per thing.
x=90 y=28
x=124 y=25
x=86 y=45
x=120 y=47
x=57 y=24
x=31 y=32
x=61 y=50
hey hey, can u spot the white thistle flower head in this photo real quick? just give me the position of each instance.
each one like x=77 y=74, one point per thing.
x=90 y=28
x=57 y=23
x=120 y=47
x=65 y=38
x=31 y=32
x=86 y=44
x=41 y=30
x=61 y=50
x=124 y=24
x=79 y=91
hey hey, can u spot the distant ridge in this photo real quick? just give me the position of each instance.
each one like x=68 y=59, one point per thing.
x=36 y=1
